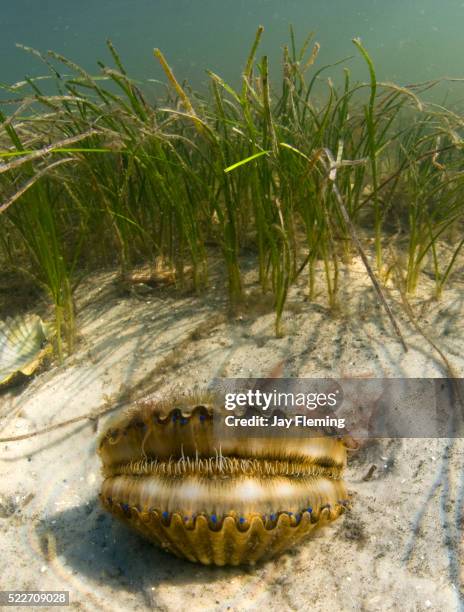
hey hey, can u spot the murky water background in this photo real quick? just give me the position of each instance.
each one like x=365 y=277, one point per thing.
x=409 y=41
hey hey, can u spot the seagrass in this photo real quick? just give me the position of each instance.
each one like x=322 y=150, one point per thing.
x=217 y=500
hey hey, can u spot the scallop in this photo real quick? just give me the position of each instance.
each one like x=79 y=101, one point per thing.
x=213 y=499
x=24 y=344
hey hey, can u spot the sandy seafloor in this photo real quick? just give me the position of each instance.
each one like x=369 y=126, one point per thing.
x=399 y=548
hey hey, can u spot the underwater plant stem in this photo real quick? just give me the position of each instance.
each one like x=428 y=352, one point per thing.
x=174 y=82
x=372 y=146
x=247 y=73
x=22 y=190
x=358 y=245
x=451 y=371
x=49 y=149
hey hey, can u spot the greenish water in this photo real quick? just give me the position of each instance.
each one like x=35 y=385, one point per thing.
x=409 y=41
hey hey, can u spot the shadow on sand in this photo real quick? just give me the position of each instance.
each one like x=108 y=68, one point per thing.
x=93 y=544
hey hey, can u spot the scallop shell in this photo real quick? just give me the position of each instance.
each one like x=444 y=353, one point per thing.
x=227 y=502
x=23 y=346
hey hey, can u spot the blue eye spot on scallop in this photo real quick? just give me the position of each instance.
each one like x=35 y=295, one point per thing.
x=125 y=507
x=214 y=518
x=174 y=418
x=183 y=421
x=165 y=515
x=202 y=418
x=309 y=509
x=241 y=520
x=273 y=517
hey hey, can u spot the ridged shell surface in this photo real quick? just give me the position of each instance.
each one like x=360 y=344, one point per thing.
x=227 y=500
x=23 y=346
